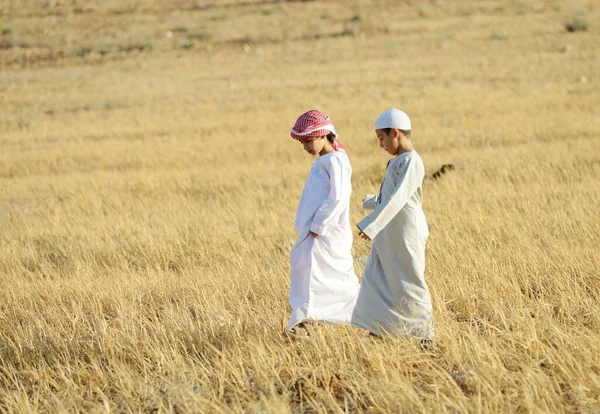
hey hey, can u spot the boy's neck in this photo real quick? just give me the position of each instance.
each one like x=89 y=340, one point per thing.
x=405 y=145
x=326 y=150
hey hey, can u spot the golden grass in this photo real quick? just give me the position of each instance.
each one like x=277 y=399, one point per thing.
x=147 y=199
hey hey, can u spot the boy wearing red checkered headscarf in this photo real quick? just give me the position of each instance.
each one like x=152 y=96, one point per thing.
x=324 y=287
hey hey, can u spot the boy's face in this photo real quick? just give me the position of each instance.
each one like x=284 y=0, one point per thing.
x=314 y=146
x=389 y=142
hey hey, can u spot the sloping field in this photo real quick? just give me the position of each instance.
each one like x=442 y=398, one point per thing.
x=148 y=187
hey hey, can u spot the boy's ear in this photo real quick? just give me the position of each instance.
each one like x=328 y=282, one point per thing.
x=396 y=132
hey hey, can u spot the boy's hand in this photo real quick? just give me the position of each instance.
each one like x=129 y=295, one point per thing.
x=315 y=235
x=363 y=236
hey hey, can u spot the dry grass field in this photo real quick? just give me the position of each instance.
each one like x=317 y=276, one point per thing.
x=148 y=188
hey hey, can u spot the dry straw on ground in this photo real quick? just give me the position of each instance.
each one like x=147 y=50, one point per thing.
x=148 y=187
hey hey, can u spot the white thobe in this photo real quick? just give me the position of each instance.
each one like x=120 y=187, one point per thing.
x=324 y=286
x=394 y=297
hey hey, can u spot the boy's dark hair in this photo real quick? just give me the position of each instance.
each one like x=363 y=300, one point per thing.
x=330 y=137
x=405 y=132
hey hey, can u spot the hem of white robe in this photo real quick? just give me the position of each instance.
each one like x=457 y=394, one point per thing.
x=329 y=321
x=342 y=317
x=379 y=332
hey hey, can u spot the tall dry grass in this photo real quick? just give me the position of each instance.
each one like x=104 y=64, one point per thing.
x=147 y=200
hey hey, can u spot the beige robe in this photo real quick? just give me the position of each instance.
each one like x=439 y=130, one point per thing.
x=394 y=297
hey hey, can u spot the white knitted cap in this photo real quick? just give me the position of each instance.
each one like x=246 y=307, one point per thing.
x=393 y=118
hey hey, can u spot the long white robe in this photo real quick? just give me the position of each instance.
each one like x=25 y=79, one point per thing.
x=394 y=297
x=324 y=286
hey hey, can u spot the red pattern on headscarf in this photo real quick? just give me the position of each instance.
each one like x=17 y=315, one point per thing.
x=314 y=124
x=337 y=145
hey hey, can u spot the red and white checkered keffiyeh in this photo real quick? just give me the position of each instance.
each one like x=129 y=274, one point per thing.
x=314 y=124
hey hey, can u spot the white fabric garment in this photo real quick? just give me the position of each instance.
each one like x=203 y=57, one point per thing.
x=394 y=297
x=324 y=287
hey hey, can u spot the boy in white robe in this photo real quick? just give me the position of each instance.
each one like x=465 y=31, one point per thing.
x=394 y=297
x=324 y=287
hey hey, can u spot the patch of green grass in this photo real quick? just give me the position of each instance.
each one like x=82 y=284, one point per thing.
x=187 y=45
x=6 y=31
x=448 y=36
x=495 y=35
x=201 y=36
x=136 y=45
x=126 y=9
x=522 y=7
x=576 y=24
x=179 y=29
x=104 y=50
x=83 y=51
x=24 y=124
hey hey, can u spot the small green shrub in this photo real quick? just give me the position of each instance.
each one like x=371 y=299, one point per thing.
x=201 y=36
x=132 y=46
x=104 y=50
x=494 y=35
x=83 y=51
x=576 y=24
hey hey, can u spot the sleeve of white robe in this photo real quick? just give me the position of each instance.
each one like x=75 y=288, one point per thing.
x=332 y=207
x=409 y=178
